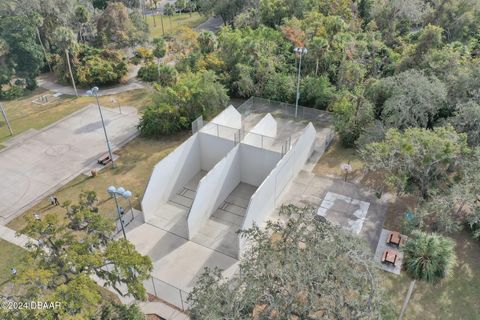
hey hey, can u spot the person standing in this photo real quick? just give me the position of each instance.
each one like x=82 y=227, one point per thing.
x=52 y=200
x=55 y=199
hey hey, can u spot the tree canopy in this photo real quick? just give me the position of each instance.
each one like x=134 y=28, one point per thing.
x=302 y=268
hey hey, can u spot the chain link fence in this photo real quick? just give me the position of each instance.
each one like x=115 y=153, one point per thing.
x=282 y=109
x=167 y=292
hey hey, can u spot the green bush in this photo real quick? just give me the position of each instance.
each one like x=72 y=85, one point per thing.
x=30 y=84
x=13 y=93
x=317 y=92
x=167 y=76
x=161 y=120
x=148 y=72
x=99 y=67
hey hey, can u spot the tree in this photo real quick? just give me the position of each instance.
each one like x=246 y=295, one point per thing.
x=226 y=9
x=24 y=57
x=304 y=268
x=159 y=51
x=467 y=120
x=351 y=115
x=429 y=258
x=317 y=92
x=207 y=42
x=68 y=254
x=117 y=26
x=169 y=11
x=195 y=94
x=408 y=99
x=416 y=157
x=114 y=311
x=160 y=120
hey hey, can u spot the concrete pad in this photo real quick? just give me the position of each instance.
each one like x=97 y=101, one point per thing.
x=361 y=206
x=382 y=246
x=40 y=163
x=220 y=231
x=177 y=261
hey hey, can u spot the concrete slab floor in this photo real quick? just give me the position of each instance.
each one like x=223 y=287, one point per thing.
x=219 y=232
x=172 y=216
x=308 y=189
x=177 y=261
x=42 y=162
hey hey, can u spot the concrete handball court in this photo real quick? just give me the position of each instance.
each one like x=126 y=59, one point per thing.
x=35 y=164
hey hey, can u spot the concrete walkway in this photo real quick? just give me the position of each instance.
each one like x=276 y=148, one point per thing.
x=162 y=310
x=9 y=235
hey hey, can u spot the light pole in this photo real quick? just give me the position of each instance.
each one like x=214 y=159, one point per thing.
x=127 y=195
x=94 y=92
x=113 y=192
x=300 y=51
x=120 y=191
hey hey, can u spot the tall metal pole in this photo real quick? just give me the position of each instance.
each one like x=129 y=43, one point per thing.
x=119 y=215
x=298 y=82
x=6 y=119
x=70 y=69
x=131 y=208
x=105 y=130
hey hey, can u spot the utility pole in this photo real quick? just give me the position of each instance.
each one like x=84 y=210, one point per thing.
x=70 y=70
x=300 y=51
x=6 y=119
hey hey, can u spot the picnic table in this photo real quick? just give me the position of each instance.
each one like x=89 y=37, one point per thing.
x=394 y=238
x=390 y=256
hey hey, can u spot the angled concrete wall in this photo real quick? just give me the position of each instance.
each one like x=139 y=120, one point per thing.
x=212 y=150
x=257 y=163
x=225 y=125
x=213 y=190
x=265 y=129
x=264 y=201
x=165 y=175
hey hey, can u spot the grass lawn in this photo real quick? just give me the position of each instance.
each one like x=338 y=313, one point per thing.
x=24 y=115
x=456 y=298
x=134 y=167
x=172 y=26
x=10 y=256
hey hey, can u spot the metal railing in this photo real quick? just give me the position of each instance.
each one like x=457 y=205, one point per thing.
x=197 y=124
x=167 y=292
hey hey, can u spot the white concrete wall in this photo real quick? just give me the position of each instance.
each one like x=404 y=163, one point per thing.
x=189 y=166
x=213 y=189
x=264 y=201
x=213 y=149
x=265 y=129
x=165 y=174
x=256 y=163
x=225 y=125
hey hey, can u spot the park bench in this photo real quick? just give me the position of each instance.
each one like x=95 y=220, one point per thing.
x=104 y=159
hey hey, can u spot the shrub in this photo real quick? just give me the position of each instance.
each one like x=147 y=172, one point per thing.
x=167 y=75
x=144 y=54
x=148 y=72
x=13 y=93
x=99 y=67
x=30 y=84
x=317 y=92
x=161 y=120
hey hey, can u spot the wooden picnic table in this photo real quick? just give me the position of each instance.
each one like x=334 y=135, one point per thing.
x=390 y=256
x=394 y=238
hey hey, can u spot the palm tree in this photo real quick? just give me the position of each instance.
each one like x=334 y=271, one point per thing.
x=428 y=257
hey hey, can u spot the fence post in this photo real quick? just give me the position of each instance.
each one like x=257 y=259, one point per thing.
x=154 y=289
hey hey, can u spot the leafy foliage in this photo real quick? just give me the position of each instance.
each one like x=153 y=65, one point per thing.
x=68 y=254
x=304 y=268
x=161 y=120
x=416 y=157
x=429 y=257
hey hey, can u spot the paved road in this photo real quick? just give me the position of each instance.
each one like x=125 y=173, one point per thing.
x=41 y=163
